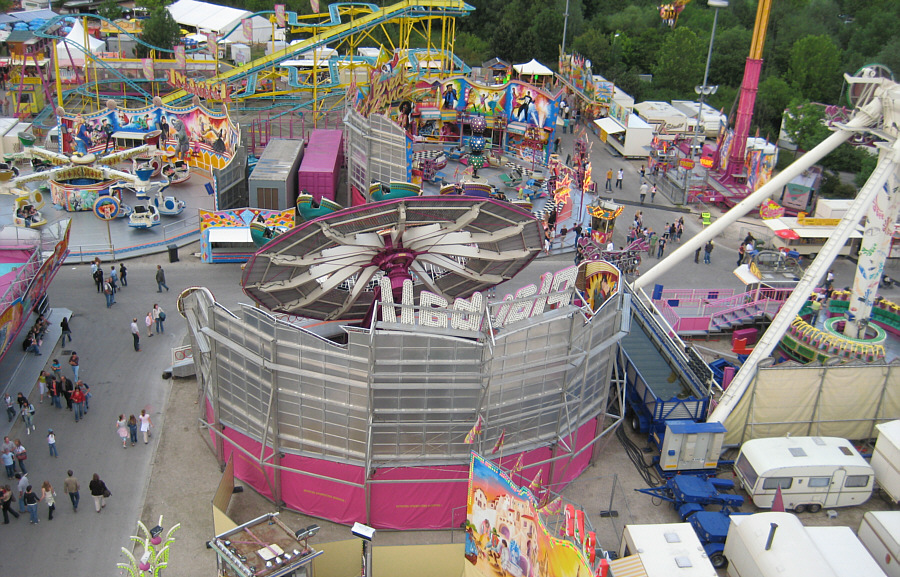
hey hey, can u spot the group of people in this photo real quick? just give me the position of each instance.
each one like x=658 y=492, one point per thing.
x=109 y=284
x=28 y=498
x=35 y=337
x=127 y=429
x=28 y=213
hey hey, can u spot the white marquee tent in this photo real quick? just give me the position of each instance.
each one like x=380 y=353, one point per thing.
x=219 y=19
x=533 y=68
x=71 y=53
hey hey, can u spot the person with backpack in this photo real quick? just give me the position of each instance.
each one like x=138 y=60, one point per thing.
x=159 y=316
x=108 y=292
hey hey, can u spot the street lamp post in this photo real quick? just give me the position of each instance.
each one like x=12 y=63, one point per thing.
x=565 y=26
x=703 y=91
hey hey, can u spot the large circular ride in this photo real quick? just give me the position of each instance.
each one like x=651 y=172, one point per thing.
x=331 y=267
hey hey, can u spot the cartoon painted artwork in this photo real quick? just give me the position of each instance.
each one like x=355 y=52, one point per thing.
x=505 y=535
x=601 y=281
x=206 y=138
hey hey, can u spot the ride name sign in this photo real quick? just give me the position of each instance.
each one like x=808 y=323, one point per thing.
x=468 y=314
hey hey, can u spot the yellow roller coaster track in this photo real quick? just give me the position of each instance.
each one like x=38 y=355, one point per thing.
x=371 y=20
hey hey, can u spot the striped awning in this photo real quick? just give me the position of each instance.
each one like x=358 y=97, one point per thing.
x=630 y=566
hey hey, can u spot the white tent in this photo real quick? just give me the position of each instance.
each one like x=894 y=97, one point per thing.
x=219 y=19
x=533 y=68
x=71 y=53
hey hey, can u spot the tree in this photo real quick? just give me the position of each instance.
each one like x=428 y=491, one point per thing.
x=803 y=124
x=680 y=64
x=110 y=10
x=160 y=31
x=773 y=97
x=815 y=69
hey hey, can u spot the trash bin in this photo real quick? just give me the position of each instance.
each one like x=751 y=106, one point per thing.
x=173 y=253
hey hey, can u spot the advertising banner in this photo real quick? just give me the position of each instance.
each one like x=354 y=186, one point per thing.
x=505 y=534
x=279 y=15
x=212 y=43
x=247 y=28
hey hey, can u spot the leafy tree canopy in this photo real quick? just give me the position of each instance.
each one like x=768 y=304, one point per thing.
x=160 y=30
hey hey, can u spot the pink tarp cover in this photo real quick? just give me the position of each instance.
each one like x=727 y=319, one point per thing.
x=245 y=469
x=327 y=499
x=566 y=470
x=421 y=505
x=320 y=168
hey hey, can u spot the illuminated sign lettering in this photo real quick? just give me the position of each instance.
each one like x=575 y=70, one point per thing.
x=466 y=314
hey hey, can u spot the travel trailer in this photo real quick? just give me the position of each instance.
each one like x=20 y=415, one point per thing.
x=813 y=472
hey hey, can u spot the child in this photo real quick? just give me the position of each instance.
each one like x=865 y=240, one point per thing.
x=51 y=442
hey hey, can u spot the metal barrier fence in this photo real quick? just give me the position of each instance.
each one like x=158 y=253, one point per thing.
x=176 y=231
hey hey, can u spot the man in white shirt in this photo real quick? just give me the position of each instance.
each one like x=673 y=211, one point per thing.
x=136 y=335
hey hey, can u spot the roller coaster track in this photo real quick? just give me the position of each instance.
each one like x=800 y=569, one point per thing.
x=336 y=29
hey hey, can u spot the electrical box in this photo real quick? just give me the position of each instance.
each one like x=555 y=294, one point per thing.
x=690 y=446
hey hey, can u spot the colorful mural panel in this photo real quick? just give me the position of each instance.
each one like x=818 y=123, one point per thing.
x=206 y=137
x=505 y=534
x=239 y=218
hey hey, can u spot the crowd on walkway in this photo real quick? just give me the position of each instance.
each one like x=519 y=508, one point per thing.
x=20 y=495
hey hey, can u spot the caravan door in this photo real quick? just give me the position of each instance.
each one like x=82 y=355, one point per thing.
x=834 y=490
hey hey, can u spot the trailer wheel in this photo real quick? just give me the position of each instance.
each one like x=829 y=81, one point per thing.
x=718 y=560
x=636 y=423
x=800 y=509
x=815 y=508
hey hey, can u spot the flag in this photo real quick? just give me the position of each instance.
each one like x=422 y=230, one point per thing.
x=314 y=4
x=147 y=65
x=180 y=59
x=778 y=503
x=247 y=29
x=476 y=430
x=536 y=483
x=279 y=15
x=518 y=466
x=552 y=507
x=499 y=444
x=212 y=43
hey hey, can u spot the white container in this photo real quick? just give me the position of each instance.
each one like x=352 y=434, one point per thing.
x=886 y=459
x=879 y=531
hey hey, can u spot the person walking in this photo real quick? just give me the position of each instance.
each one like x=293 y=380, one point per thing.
x=6 y=501
x=643 y=192
x=619 y=176
x=51 y=442
x=78 y=403
x=21 y=456
x=661 y=246
x=609 y=180
x=652 y=194
x=123 y=274
x=159 y=317
x=697 y=255
x=707 y=251
x=9 y=447
x=740 y=258
x=67 y=389
x=56 y=368
x=21 y=484
x=99 y=492
x=10 y=407
x=48 y=495
x=86 y=389
x=73 y=362
x=66 y=331
x=122 y=430
x=28 y=417
x=132 y=429
x=108 y=293
x=160 y=279
x=31 y=502
x=114 y=279
x=816 y=306
x=148 y=321
x=9 y=462
x=71 y=488
x=146 y=424
x=136 y=335
x=98 y=278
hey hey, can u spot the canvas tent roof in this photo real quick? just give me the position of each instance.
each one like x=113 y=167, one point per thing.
x=533 y=68
x=71 y=52
x=218 y=19
x=495 y=64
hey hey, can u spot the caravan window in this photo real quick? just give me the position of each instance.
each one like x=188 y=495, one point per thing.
x=743 y=465
x=857 y=481
x=819 y=481
x=775 y=482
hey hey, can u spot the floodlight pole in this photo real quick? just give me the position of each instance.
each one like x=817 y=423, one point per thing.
x=565 y=27
x=702 y=90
